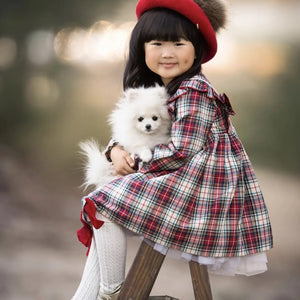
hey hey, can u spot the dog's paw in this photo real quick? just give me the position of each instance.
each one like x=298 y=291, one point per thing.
x=145 y=155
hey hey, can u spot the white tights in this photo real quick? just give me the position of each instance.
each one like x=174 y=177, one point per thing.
x=104 y=271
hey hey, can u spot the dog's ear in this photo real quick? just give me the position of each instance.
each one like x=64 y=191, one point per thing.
x=163 y=97
x=164 y=113
x=162 y=92
x=131 y=94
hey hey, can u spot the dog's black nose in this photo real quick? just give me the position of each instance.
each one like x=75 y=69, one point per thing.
x=148 y=126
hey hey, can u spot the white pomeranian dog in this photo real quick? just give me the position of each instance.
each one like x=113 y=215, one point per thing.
x=139 y=123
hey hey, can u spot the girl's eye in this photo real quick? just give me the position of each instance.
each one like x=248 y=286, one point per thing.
x=156 y=43
x=140 y=119
x=154 y=118
x=179 y=44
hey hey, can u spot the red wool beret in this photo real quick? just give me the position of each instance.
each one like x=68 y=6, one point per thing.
x=190 y=10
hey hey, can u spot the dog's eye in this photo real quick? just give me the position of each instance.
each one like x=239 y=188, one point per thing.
x=140 y=119
x=154 y=118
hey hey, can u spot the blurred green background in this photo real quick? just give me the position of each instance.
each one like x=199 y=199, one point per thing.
x=61 y=66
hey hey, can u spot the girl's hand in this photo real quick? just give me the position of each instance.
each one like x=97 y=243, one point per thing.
x=122 y=161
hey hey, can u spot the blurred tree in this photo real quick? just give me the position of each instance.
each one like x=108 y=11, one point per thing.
x=279 y=118
x=270 y=124
x=18 y=18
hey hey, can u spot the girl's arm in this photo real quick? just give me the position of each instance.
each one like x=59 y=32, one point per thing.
x=194 y=113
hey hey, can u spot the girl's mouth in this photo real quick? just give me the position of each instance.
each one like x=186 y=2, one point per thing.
x=168 y=65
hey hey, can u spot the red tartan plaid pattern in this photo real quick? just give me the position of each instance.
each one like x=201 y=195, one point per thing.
x=199 y=194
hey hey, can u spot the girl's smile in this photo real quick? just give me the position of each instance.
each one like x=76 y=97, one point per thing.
x=169 y=59
x=168 y=65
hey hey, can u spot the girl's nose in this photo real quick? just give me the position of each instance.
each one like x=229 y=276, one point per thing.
x=168 y=51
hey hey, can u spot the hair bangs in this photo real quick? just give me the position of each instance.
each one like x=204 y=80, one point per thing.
x=162 y=26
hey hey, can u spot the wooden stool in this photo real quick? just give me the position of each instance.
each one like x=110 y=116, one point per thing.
x=144 y=270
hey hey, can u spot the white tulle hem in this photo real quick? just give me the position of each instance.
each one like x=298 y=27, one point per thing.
x=248 y=265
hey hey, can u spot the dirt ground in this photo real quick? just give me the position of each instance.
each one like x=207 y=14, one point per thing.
x=41 y=259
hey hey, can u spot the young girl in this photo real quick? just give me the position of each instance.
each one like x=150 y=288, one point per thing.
x=198 y=196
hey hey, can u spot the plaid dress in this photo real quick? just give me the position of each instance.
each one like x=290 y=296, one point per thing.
x=199 y=193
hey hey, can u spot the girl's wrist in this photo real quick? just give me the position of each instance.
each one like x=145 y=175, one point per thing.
x=113 y=143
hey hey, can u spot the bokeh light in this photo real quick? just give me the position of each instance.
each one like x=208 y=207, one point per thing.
x=8 y=52
x=103 y=41
x=40 y=47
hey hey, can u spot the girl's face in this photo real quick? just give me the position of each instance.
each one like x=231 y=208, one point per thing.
x=169 y=59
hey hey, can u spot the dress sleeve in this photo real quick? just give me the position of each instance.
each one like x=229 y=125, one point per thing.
x=109 y=147
x=193 y=114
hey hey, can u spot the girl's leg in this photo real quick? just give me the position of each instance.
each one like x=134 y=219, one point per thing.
x=89 y=284
x=111 y=248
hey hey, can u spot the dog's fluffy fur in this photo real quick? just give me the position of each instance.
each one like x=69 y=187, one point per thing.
x=139 y=123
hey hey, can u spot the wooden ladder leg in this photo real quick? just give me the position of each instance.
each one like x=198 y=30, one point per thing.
x=142 y=274
x=200 y=279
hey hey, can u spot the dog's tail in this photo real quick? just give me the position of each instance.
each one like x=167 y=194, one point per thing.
x=97 y=170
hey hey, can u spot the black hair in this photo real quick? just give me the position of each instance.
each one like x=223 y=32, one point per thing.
x=164 y=25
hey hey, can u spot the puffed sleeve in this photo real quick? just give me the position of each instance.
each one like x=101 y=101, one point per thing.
x=193 y=113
